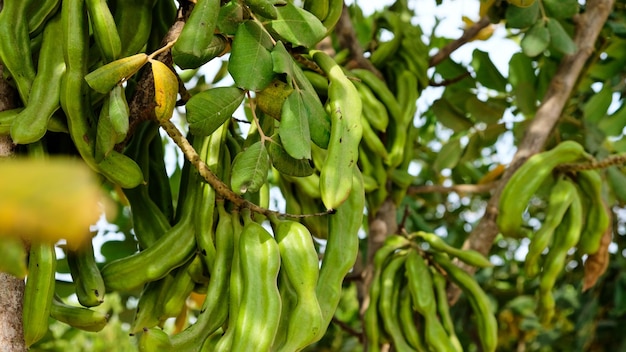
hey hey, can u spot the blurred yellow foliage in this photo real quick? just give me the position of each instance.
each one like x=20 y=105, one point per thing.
x=483 y=34
x=48 y=200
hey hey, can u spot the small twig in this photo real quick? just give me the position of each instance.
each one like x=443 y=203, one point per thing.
x=465 y=188
x=256 y=120
x=405 y=216
x=610 y=161
x=468 y=34
x=448 y=82
x=347 y=328
x=220 y=187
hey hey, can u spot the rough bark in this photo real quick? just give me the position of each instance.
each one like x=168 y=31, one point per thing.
x=11 y=288
x=588 y=26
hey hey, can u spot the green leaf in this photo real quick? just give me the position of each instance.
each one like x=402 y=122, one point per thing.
x=536 y=40
x=449 y=155
x=264 y=8
x=489 y=111
x=119 y=112
x=614 y=125
x=297 y=26
x=449 y=70
x=294 y=128
x=480 y=140
x=522 y=17
x=284 y=163
x=559 y=39
x=560 y=9
x=486 y=72
x=617 y=180
x=596 y=107
x=448 y=116
x=113 y=250
x=231 y=15
x=319 y=120
x=250 y=62
x=106 y=137
x=282 y=61
x=522 y=77
x=249 y=169
x=208 y=110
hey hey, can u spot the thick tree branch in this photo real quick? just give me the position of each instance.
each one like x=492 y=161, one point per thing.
x=11 y=288
x=468 y=34
x=588 y=26
x=381 y=225
x=347 y=39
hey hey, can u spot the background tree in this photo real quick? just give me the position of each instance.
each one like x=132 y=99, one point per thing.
x=327 y=214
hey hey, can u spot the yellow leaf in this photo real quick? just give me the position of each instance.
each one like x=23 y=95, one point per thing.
x=48 y=200
x=165 y=90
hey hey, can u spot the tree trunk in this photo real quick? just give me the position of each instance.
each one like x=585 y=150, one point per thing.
x=11 y=288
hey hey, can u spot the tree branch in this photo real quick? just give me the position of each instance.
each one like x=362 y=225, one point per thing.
x=469 y=188
x=468 y=34
x=218 y=185
x=588 y=26
x=347 y=39
x=347 y=328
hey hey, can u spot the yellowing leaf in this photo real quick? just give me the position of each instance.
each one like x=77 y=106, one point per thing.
x=165 y=90
x=48 y=200
x=270 y=100
x=104 y=78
